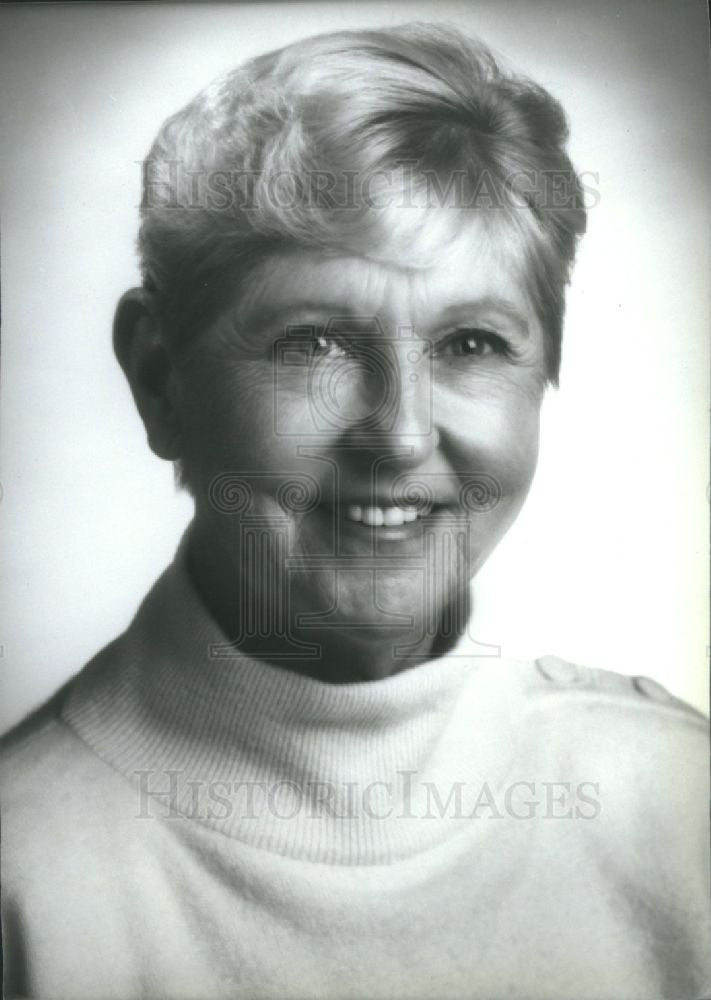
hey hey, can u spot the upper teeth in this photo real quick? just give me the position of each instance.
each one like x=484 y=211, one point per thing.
x=378 y=516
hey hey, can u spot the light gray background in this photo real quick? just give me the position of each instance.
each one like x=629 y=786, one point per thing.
x=607 y=565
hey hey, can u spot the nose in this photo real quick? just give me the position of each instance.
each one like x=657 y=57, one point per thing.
x=396 y=424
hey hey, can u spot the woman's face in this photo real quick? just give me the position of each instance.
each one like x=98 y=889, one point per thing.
x=359 y=436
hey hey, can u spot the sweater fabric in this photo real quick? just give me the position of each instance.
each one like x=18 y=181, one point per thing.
x=181 y=821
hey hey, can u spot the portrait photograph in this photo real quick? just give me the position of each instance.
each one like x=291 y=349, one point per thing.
x=354 y=490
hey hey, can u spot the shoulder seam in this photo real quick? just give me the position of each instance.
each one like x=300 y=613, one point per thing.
x=24 y=733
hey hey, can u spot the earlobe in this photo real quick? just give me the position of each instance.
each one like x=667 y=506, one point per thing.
x=148 y=365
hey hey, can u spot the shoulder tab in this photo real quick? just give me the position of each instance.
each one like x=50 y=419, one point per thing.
x=563 y=674
x=652 y=689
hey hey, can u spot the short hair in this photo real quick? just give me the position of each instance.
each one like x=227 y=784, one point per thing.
x=344 y=142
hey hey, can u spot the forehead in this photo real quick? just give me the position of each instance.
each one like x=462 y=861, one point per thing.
x=475 y=265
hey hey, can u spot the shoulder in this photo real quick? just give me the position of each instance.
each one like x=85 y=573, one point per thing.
x=646 y=750
x=557 y=684
x=43 y=761
x=36 y=738
x=629 y=726
x=649 y=749
x=53 y=791
x=637 y=759
x=64 y=809
x=40 y=758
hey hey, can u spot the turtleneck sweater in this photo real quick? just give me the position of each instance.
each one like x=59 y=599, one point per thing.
x=184 y=821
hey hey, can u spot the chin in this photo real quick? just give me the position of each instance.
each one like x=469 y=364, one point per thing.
x=366 y=606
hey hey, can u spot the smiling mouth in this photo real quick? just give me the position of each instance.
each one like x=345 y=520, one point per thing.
x=386 y=517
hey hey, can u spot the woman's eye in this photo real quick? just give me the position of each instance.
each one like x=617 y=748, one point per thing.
x=473 y=343
x=307 y=346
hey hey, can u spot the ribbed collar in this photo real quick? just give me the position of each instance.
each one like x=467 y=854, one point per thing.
x=334 y=773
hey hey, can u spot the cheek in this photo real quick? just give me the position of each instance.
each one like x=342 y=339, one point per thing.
x=493 y=433
x=252 y=415
x=495 y=442
x=230 y=418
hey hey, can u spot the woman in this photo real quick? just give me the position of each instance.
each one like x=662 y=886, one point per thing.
x=288 y=778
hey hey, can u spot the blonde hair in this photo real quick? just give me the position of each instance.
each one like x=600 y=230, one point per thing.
x=358 y=141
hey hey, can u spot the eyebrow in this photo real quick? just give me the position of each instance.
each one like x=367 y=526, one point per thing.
x=265 y=317
x=493 y=303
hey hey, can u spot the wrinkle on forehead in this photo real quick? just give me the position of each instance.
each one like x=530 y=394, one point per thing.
x=473 y=265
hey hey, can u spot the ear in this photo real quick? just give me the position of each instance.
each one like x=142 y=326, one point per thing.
x=149 y=368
